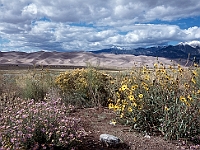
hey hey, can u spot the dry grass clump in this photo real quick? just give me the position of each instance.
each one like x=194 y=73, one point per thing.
x=8 y=86
x=36 y=84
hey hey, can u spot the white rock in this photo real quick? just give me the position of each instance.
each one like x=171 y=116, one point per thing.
x=147 y=136
x=109 y=140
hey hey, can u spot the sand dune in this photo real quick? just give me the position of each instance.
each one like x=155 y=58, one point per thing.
x=78 y=59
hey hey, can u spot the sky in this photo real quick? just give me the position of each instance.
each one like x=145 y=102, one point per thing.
x=83 y=25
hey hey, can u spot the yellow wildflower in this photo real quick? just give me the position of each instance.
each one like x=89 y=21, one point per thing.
x=140 y=96
x=134 y=119
x=116 y=107
x=166 y=108
x=134 y=104
x=122 y=115
x=180 y=69
x=118 y=101
x=182 y=98
x=194 y=72
x=65 y=81
x=110 y=106
x=146 y=88
x=193 y=80
x=168 y=77
x=112 y=82
x=187 y=85
x=123 y=107
x=163 y=71
x=155 y=65
x=144 y=84
x=134 y=87
x=124 y=102
x=109 y=100
x=198 y=92
x=170 y=67
x=130 y=109
x=158 y=71
x=124 y=87
x=147 y=77
x=189 y=97
x=113 y=122
x=140 y=107
x=131 y=97
x=195 y=65
x=144 y=70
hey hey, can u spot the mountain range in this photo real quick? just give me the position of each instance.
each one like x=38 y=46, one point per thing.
x=114 y=57
x=180 y=51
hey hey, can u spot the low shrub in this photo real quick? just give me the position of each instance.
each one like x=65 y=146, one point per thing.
x=84 y=87
x=27 y=124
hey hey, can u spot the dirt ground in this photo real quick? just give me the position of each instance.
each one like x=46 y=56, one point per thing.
x=97 y=121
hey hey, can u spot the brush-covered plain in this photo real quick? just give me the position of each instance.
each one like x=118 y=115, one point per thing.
x=51 y=109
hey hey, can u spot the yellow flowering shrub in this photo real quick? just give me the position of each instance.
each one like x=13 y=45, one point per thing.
x=84 y=87
x=161 y=100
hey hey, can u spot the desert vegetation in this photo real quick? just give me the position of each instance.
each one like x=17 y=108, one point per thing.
x=36 y=105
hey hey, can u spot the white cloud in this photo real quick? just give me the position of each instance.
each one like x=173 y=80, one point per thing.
x=192 y=33
x=95 y=11
x=49 y=35
x=113 y=22
x=30 y=9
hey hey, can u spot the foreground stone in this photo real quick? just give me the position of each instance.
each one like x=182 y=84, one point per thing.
x=109 y=140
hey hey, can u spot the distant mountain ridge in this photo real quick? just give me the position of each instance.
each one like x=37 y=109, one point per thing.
x=180 y=51
x=112 y=57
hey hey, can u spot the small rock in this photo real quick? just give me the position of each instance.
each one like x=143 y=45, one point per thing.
x=147 y=136
x=109 y=140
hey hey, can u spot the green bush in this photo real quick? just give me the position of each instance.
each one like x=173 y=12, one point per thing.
x=163 y=100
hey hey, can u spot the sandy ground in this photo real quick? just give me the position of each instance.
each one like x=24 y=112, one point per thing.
x=96 y=121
